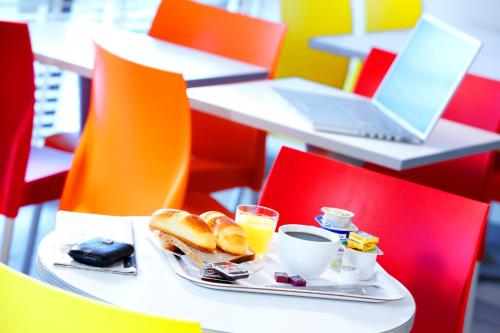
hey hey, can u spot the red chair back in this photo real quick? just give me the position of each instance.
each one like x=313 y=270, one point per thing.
x=17 y=98
x=430 y=238
x=475 y=103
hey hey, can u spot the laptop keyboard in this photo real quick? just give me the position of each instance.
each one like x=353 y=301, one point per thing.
x=341 y=112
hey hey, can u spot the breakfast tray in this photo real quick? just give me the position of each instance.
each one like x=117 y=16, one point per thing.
x=381 y=288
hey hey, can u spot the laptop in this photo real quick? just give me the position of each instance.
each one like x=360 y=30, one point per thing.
x=412 y=95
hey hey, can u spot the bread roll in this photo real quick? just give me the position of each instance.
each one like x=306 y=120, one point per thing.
x=230 y=236
x=189 y=228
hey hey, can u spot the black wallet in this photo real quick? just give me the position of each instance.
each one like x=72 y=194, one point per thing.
x=100 y=252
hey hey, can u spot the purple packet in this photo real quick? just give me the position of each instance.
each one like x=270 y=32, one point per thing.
x=297 y=281
x=281 y=277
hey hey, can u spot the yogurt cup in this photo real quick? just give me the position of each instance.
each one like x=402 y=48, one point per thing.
x=364 y=261
x=336 y=217
x=343 y=234
x=348 y=274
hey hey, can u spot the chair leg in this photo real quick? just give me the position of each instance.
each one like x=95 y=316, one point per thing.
x=35 y=221
x=7 y=239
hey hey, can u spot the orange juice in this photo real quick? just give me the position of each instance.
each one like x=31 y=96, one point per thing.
x=259 y=231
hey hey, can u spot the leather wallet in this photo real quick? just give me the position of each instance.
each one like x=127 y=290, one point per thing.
x=100 y=252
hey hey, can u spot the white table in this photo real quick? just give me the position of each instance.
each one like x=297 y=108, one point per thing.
x=68 y=45
x=157 y=290
x=256 y=104
x=487 y=62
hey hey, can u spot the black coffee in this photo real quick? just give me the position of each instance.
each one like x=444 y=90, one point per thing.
x=307 y=236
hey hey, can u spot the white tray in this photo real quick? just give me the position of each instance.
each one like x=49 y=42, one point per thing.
x=261 y=279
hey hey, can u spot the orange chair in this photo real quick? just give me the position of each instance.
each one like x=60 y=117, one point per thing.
x=134 y=152
x=225 y=154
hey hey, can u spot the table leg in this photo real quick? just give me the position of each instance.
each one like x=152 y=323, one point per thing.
x=85 y=84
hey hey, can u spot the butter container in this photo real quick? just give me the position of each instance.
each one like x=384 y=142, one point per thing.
x=362 y=247
x=363 y=237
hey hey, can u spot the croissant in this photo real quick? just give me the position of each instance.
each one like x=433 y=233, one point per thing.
x=187 y=227
x=230 y=237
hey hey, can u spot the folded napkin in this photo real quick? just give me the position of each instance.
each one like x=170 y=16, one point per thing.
x=73 y=228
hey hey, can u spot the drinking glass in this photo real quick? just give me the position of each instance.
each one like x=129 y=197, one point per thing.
x=259 y=224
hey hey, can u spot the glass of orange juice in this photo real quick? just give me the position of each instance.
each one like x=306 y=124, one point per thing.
x=259 y=224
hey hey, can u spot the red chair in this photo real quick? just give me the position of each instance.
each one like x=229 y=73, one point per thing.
x=430 y=238
x=475 y=103
x=28 y=175
x=225 y=154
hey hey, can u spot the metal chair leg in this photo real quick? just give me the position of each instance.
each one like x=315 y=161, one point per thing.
x=35 y=221
x=7 y=239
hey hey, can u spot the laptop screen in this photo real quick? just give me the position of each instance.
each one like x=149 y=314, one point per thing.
x=425 y=75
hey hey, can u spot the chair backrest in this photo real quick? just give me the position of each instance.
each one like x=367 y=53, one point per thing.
x=311 y=18
x=134 y=153
x=391 y=14
x=476 y=103
x=17 y=98
x=218 y=31
x=430 y=238
x=57 y=311
x=235 y=36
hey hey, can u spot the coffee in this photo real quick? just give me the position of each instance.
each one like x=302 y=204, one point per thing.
x=307 y=236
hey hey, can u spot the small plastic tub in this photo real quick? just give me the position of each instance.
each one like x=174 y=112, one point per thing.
x=343 y=232
x=337 y=217
x=348 y=274
x=364 y=261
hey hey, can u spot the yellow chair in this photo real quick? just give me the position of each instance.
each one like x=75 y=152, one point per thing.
x=384 y=15
x=306 y=19
x=27 y=306
x=391 y=14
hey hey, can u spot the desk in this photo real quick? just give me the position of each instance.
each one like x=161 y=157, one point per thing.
x=486 y=64
x=256 y=104
x=157 y=290
x=68 y=45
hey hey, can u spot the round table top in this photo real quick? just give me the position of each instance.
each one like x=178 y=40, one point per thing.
x=157 y=290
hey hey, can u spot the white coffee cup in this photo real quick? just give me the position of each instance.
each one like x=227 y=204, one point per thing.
x=307 y=258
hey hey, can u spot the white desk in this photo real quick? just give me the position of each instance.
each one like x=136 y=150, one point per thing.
x=487 y=62
x=68 y=45
x=256 y=104
x=157 y=290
